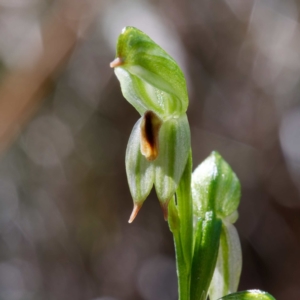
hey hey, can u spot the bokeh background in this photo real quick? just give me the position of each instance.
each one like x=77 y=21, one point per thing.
x=64 y=126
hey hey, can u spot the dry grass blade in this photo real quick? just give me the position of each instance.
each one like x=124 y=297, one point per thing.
x=22 y=90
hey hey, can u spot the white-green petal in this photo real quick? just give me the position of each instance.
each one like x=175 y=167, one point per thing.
x=174 y=147
x=130 y=92
x=202 y=178
x=229 y=264
x=143 y=96
x=140 y=172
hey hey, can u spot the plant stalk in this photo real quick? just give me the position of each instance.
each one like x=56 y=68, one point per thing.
x=183 y=231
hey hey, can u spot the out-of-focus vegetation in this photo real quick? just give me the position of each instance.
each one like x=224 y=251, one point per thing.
x=64 y=126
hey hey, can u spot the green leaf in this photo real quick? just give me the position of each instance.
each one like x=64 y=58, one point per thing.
x=140 y=172
x=215 y=187
x=174 y=147
x=249 y=295
x=150 y=78
x=229 y=264
x=206 y=245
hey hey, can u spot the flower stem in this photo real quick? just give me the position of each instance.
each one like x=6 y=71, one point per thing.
x=181 y=225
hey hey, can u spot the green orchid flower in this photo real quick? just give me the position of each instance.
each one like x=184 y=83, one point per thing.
x=159 y=144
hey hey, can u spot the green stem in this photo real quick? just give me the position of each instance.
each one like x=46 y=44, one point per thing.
x=181 y=225
x=185 y=210
x=183 y=270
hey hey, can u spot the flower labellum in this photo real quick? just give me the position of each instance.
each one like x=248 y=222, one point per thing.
x=150 y=126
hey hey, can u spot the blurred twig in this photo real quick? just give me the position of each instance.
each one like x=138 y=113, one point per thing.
x=22 y=90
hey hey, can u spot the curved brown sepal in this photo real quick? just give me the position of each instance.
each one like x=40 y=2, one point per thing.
x=136 y=208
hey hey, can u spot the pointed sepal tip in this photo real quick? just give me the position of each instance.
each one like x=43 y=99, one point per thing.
x=164 y=207
x=116 y=62
x=136 y=209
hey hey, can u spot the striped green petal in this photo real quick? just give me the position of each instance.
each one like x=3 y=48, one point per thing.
x=249 y=295
x=229 y=264
x=140 y=172
x=174 y=147
x=150 y=78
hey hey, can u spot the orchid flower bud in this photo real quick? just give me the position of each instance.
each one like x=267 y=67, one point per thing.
x=216 y=189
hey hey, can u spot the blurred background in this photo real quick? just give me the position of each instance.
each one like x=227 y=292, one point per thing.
x=64 y=127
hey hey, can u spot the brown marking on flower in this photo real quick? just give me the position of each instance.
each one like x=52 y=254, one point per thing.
x=150 y=127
